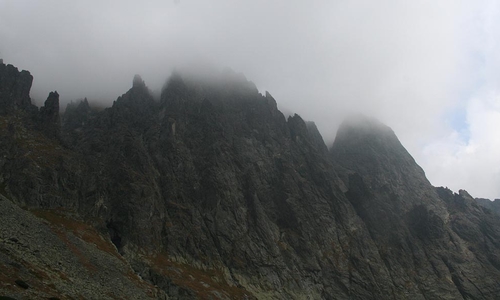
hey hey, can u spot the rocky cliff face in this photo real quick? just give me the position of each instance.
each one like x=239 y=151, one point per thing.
x=493 y=206
x=14 y=88
x=212 y=193
x=433 y=242
x=49 y=116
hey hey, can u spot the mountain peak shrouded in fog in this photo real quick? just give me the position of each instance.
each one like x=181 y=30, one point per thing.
x=427 y=69
x=14 y=88
x=213 y=193
x=138 y=82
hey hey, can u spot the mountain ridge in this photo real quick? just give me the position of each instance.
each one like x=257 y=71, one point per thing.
x=212 y=193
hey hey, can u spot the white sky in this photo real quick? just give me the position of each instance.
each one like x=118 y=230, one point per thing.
x=429 y=69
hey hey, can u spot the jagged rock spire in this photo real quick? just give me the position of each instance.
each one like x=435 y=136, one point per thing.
x=15 y=88
x=49 y=115
x=138 y=82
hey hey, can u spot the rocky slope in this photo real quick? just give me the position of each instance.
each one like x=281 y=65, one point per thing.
x=54 y=254
x=434 y=243
x=211 y=193
x=493 y=206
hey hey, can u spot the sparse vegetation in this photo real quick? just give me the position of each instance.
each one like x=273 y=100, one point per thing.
x=61 y=223
x=205 y=283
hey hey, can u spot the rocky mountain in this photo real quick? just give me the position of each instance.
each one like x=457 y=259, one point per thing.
x=211 y=193
x=494 y=205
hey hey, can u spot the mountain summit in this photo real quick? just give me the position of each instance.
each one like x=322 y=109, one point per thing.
x=211 y=193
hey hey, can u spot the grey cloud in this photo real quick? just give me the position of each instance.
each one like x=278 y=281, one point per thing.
x=404 y=62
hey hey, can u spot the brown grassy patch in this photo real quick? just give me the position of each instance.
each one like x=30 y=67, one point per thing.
x=61 y=224
x=4 y=122
x=37 y=279
x=7 y=277
x=202 y=282
x=58 y=218
x=112 y=296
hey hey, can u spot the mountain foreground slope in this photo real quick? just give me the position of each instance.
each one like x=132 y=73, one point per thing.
x=211 y=193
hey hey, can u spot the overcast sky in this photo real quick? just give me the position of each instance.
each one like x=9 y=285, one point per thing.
x=429 y=69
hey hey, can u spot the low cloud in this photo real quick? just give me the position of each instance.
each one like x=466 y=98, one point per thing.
x=470 y=159
x=415 y=65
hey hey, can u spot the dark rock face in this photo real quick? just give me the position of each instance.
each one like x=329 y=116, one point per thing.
x=474 y=273
x=212 y=193
x=49 y=116
x=76 y=115
x=493 y=206
x=75 y=118
x=14 y=88
x=383 y=176
x=418 y=229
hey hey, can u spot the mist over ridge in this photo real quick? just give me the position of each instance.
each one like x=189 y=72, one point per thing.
x=211 y=190
x=428 y=70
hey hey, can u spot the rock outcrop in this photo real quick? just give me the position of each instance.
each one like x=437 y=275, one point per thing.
x=49 y=116
x=493 y=206
x=14 y=89
x=212 y=193
x=434 y=243
x=75 y=119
